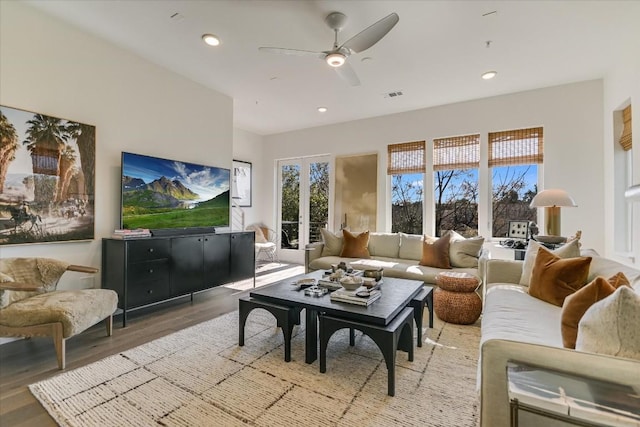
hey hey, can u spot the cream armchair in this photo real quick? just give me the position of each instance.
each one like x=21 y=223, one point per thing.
x=30 y=305
x=266 y=244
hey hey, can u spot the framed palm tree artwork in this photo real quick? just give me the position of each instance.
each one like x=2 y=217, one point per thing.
x=46 y=178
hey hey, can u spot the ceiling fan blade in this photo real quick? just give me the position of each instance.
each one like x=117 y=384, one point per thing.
x=346 y=73
x=372 y=34
x=293 y=52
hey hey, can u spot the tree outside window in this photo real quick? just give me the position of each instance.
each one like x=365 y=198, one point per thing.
x=407 y=203
x=514 y=156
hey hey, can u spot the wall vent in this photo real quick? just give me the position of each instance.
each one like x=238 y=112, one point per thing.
x=393 y=94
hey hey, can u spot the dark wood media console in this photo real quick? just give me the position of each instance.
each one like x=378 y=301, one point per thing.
x=155 y=269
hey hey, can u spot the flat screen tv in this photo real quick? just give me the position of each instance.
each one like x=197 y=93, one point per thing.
x=173 y=197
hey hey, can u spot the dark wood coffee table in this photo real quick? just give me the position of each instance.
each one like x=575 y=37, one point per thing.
x=396 y=295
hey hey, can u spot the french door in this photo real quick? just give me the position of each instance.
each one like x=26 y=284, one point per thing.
x=303 y=203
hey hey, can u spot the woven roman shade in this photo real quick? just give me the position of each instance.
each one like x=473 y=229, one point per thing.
x=515 y=147
x=456 y=152
x=625 y=138
x=406 y=157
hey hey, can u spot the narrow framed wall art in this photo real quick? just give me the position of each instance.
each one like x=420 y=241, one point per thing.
x=241 y=183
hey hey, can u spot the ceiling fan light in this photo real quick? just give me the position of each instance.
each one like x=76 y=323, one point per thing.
x=335 y=59
x=210 y=39
x=489 y=75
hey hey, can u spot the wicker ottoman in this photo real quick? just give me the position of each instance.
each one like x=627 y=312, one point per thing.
x=455 y=299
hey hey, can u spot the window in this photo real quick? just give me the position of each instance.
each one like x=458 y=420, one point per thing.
x=455 y=172
x=406 y=166
x=514 y=156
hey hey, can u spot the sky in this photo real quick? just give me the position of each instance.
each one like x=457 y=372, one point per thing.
x=206 y=181
x=531 y=176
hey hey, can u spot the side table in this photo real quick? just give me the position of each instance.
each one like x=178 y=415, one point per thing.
x=455 y=300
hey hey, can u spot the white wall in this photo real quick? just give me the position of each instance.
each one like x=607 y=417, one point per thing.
x=621 y=85
x=49 y=67
x=248 y=147
x=573 y=132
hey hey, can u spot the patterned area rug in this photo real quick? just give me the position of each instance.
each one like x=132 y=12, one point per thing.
x=201 y=377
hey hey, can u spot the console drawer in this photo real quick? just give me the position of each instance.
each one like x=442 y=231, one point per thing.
x=148 y=271
x=148 y=249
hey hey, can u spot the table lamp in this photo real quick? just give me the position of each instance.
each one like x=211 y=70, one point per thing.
x=552 y=200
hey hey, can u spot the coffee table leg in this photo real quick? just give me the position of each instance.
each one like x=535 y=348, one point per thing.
x=430 y=307
x=311 y=336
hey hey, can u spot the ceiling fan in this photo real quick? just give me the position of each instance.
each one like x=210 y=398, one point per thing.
x=337 y=56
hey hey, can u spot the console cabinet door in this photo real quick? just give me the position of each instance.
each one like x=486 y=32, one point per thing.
x=187 y=264
x=243 y=256
x=216 y=259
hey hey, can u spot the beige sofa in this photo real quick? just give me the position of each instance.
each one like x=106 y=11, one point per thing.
x=398 y=254
x=519 y=327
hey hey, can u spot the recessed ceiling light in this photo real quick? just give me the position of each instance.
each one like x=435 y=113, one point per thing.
x=211 y=40
x=489 y=75
x=322 y=109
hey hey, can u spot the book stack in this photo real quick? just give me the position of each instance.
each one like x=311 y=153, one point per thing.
x=342 y=295
x=135 y=233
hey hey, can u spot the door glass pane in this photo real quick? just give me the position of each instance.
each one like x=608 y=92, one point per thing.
x=290 y=206
x=318 y=199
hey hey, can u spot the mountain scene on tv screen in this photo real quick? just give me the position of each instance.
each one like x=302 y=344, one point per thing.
x=169 y=203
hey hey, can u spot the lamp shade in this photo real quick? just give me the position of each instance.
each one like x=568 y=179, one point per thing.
x=552 y=197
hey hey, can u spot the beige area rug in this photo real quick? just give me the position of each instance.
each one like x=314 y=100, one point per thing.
x=201 y=377
x=266 y=274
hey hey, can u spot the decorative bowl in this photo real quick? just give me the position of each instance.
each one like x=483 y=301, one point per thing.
x=376 y=274
x=351 y=283
x=369 y=282
x=306 y=282
x=550 y=239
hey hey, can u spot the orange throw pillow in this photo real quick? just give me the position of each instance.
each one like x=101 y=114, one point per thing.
x=554 y=278
x=576 y=304
x=435 y=252
x=355 y=246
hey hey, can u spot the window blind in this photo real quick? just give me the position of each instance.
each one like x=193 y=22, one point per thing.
x=625 y=138
x=456 y=152
x=516 y=147
x=406 y=157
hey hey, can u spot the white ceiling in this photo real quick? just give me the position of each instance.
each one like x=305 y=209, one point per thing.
x=434 y=55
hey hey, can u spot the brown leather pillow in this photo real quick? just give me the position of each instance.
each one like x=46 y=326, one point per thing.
x=435 y=252
x=355 y=246
x=554 y=278
x=576 y=304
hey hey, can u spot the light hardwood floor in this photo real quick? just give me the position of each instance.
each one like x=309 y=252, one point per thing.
x=25 y=362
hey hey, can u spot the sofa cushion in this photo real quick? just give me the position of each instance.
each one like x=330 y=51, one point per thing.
x=464 y=252
x=435 y=252
x=410 y=246
x=384 y=244
x=576 y=304
x=554 y=278
x=355 y=246
x=569 y=250
x=332 y=243
x=610 y=326
x=510 y=313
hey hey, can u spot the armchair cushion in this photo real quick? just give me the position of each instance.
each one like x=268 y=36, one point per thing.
x=43 y=272
x=77 y=310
